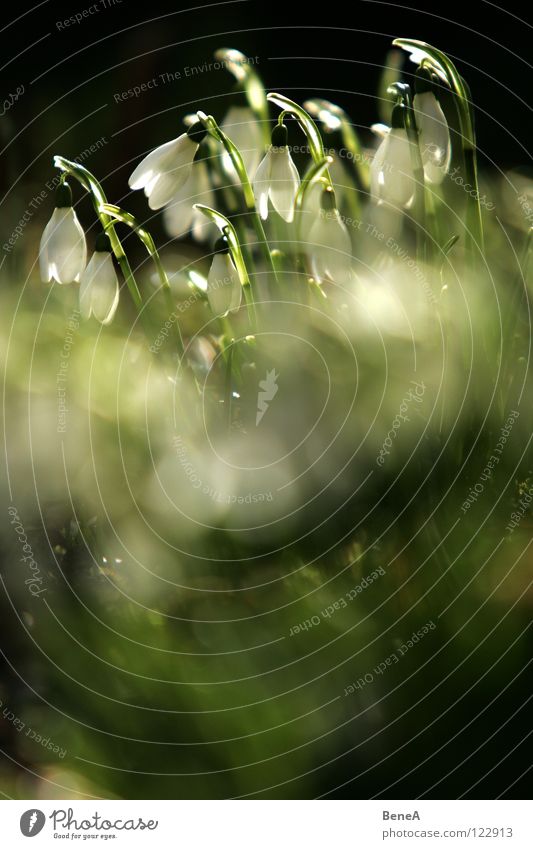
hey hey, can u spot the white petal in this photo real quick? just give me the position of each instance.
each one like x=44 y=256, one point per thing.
x=310 y=210
x=158 y=160
x=330 y=248
x=284 y=182
x=167 y=185
x=434 y=136
x=380 y=130
x=180 y=214
x=44 y=264
x=223 y=285
x=63 y=248
x=201 y=227
x=99 y=289
x=261 y=184
x=376 y=170
x=397 y=185
x=242 y=127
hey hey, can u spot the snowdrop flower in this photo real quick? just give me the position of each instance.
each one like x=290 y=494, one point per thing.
x=330 y=244
x=391 y=171
x=99 y=284
x=164 y=171
x=241 y=126
x=180 y=215
x=277 y=177
x=313 y=197
x=63 y=250
x=224 y=291
x=434 y=134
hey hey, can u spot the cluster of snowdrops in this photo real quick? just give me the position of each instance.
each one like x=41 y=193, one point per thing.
x=250 y=167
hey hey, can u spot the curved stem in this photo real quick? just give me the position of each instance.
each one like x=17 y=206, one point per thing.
x=233 y=152
x=228 y=230
x=334 y=117
x=446 y=68
x=316 y=146
x=313 y=175
x=91 y=185
x=241 y=67
x=115 y=212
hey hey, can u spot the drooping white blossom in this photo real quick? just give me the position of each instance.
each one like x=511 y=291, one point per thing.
x=242 y=127
x=180 y=215
x=164 y=171
x=224 y=290
x=329 y=244
x=433 y=130
x=277 y=178
x=99 y=288
x=63 y=249
x=391 y=172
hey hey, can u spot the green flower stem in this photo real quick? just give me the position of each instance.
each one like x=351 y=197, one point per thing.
x=118 y=214
x=240 y=66
x=91 y=185
x=353 y=145
x=445 y=67
x=316 y=146
x=228 y=230
x=350 y=139
x=233 y=152
x=228 y=385
x=313 y=175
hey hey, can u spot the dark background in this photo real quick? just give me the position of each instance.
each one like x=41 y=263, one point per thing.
x=335 y=50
